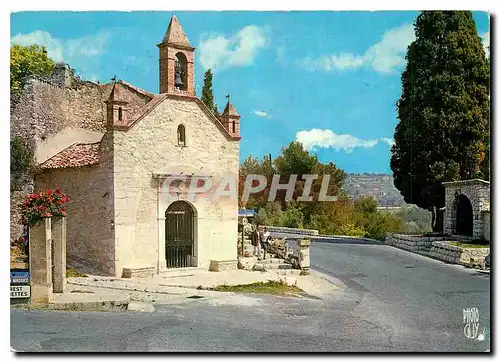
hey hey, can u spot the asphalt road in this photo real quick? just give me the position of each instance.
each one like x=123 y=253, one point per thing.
x=392 y=300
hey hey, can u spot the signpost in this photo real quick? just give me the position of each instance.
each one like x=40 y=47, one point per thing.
x=20 y=291
x=19 y=277
x=19 y=284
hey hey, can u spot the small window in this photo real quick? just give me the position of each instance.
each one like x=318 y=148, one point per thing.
x=120 y=113
x=234 y=127
x=181 y=135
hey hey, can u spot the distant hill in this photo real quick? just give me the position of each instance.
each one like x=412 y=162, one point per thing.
x=379 y=186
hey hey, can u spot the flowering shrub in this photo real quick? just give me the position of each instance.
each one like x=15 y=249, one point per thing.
x=21 y=244
x=45 y=204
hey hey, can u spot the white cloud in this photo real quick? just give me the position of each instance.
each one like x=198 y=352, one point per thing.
x=330 y=62
x=389 y=141
x=54 y=46
x=82 y=53
x=486 y=43
x=325 y=138
x=384 y=56
x=262 y=114
x=240 y=49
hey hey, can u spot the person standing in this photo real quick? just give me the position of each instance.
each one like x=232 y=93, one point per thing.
x=266 y=239
x=255 y=242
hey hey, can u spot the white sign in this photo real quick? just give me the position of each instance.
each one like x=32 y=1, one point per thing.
x=20 y=291
x=471 y=325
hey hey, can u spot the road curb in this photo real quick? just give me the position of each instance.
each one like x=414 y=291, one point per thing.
x=105 y=305
x=347 y=240
x=333 y=280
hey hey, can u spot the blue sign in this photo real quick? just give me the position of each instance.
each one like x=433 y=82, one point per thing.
x=246 y=213
x=19 y=277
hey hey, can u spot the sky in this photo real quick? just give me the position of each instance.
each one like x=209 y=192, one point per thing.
x=327 y=79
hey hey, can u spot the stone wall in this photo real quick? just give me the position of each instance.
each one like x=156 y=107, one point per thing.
x=279 y=229
x=90 y=225
x=47 y=106
x=478 y=193
x=150 y=147
x=449 y=253
x=411 y=242
x=486 y=225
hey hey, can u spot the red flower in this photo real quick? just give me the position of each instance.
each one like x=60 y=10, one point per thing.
x=21 y=239
x=42 y=208
x=49 y=191
x=63 y=209
x=48 y=214
x=27 y=202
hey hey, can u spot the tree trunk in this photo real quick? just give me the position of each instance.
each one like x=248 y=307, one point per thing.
x=433 y=220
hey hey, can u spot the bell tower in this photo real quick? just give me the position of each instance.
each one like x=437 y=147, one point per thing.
x=230 y=119
x=176 y=61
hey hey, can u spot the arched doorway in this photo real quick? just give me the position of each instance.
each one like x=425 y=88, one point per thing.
x=464 y=222
x=180 y=223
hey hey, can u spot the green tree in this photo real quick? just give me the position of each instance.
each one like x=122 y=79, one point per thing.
x=207 y=94
x=254 y=166
x=22 y=161
x=443 y=111
x=28 y=60
x=295 y=159
x=366 y=205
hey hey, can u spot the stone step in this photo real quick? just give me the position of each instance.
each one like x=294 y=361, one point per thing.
x=182 y=272
x=275 y=266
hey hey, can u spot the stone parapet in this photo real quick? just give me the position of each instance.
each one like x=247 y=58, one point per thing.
x=223 y=265
x=144 y=272
x=279 y=229
x=411 y=242
x=449 y=253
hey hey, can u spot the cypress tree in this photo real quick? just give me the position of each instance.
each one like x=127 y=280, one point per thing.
x=443 y=112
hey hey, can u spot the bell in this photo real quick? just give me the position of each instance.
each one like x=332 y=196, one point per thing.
x=178 y=80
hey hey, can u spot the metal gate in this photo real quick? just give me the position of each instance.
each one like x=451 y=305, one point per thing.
x=179 y=234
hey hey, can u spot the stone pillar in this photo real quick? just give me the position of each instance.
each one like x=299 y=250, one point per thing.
x=40 y=262
x=304 y=259
x=59 y=245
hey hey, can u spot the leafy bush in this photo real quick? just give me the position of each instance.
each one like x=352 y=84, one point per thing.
x=292 y=217
x=378 y=224
x=351 y=230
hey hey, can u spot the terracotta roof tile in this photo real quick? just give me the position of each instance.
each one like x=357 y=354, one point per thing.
x=138 y=90
x=76 y=155
x=230 y=110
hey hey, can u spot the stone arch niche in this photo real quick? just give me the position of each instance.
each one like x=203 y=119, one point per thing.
x=181 y=68
x=464 y=217
x=466 y=203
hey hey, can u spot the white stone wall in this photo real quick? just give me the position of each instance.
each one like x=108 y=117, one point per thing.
x=449 y=253
x=410 y=242
x=478 y=193
x=90 y=234
x=151 y=147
